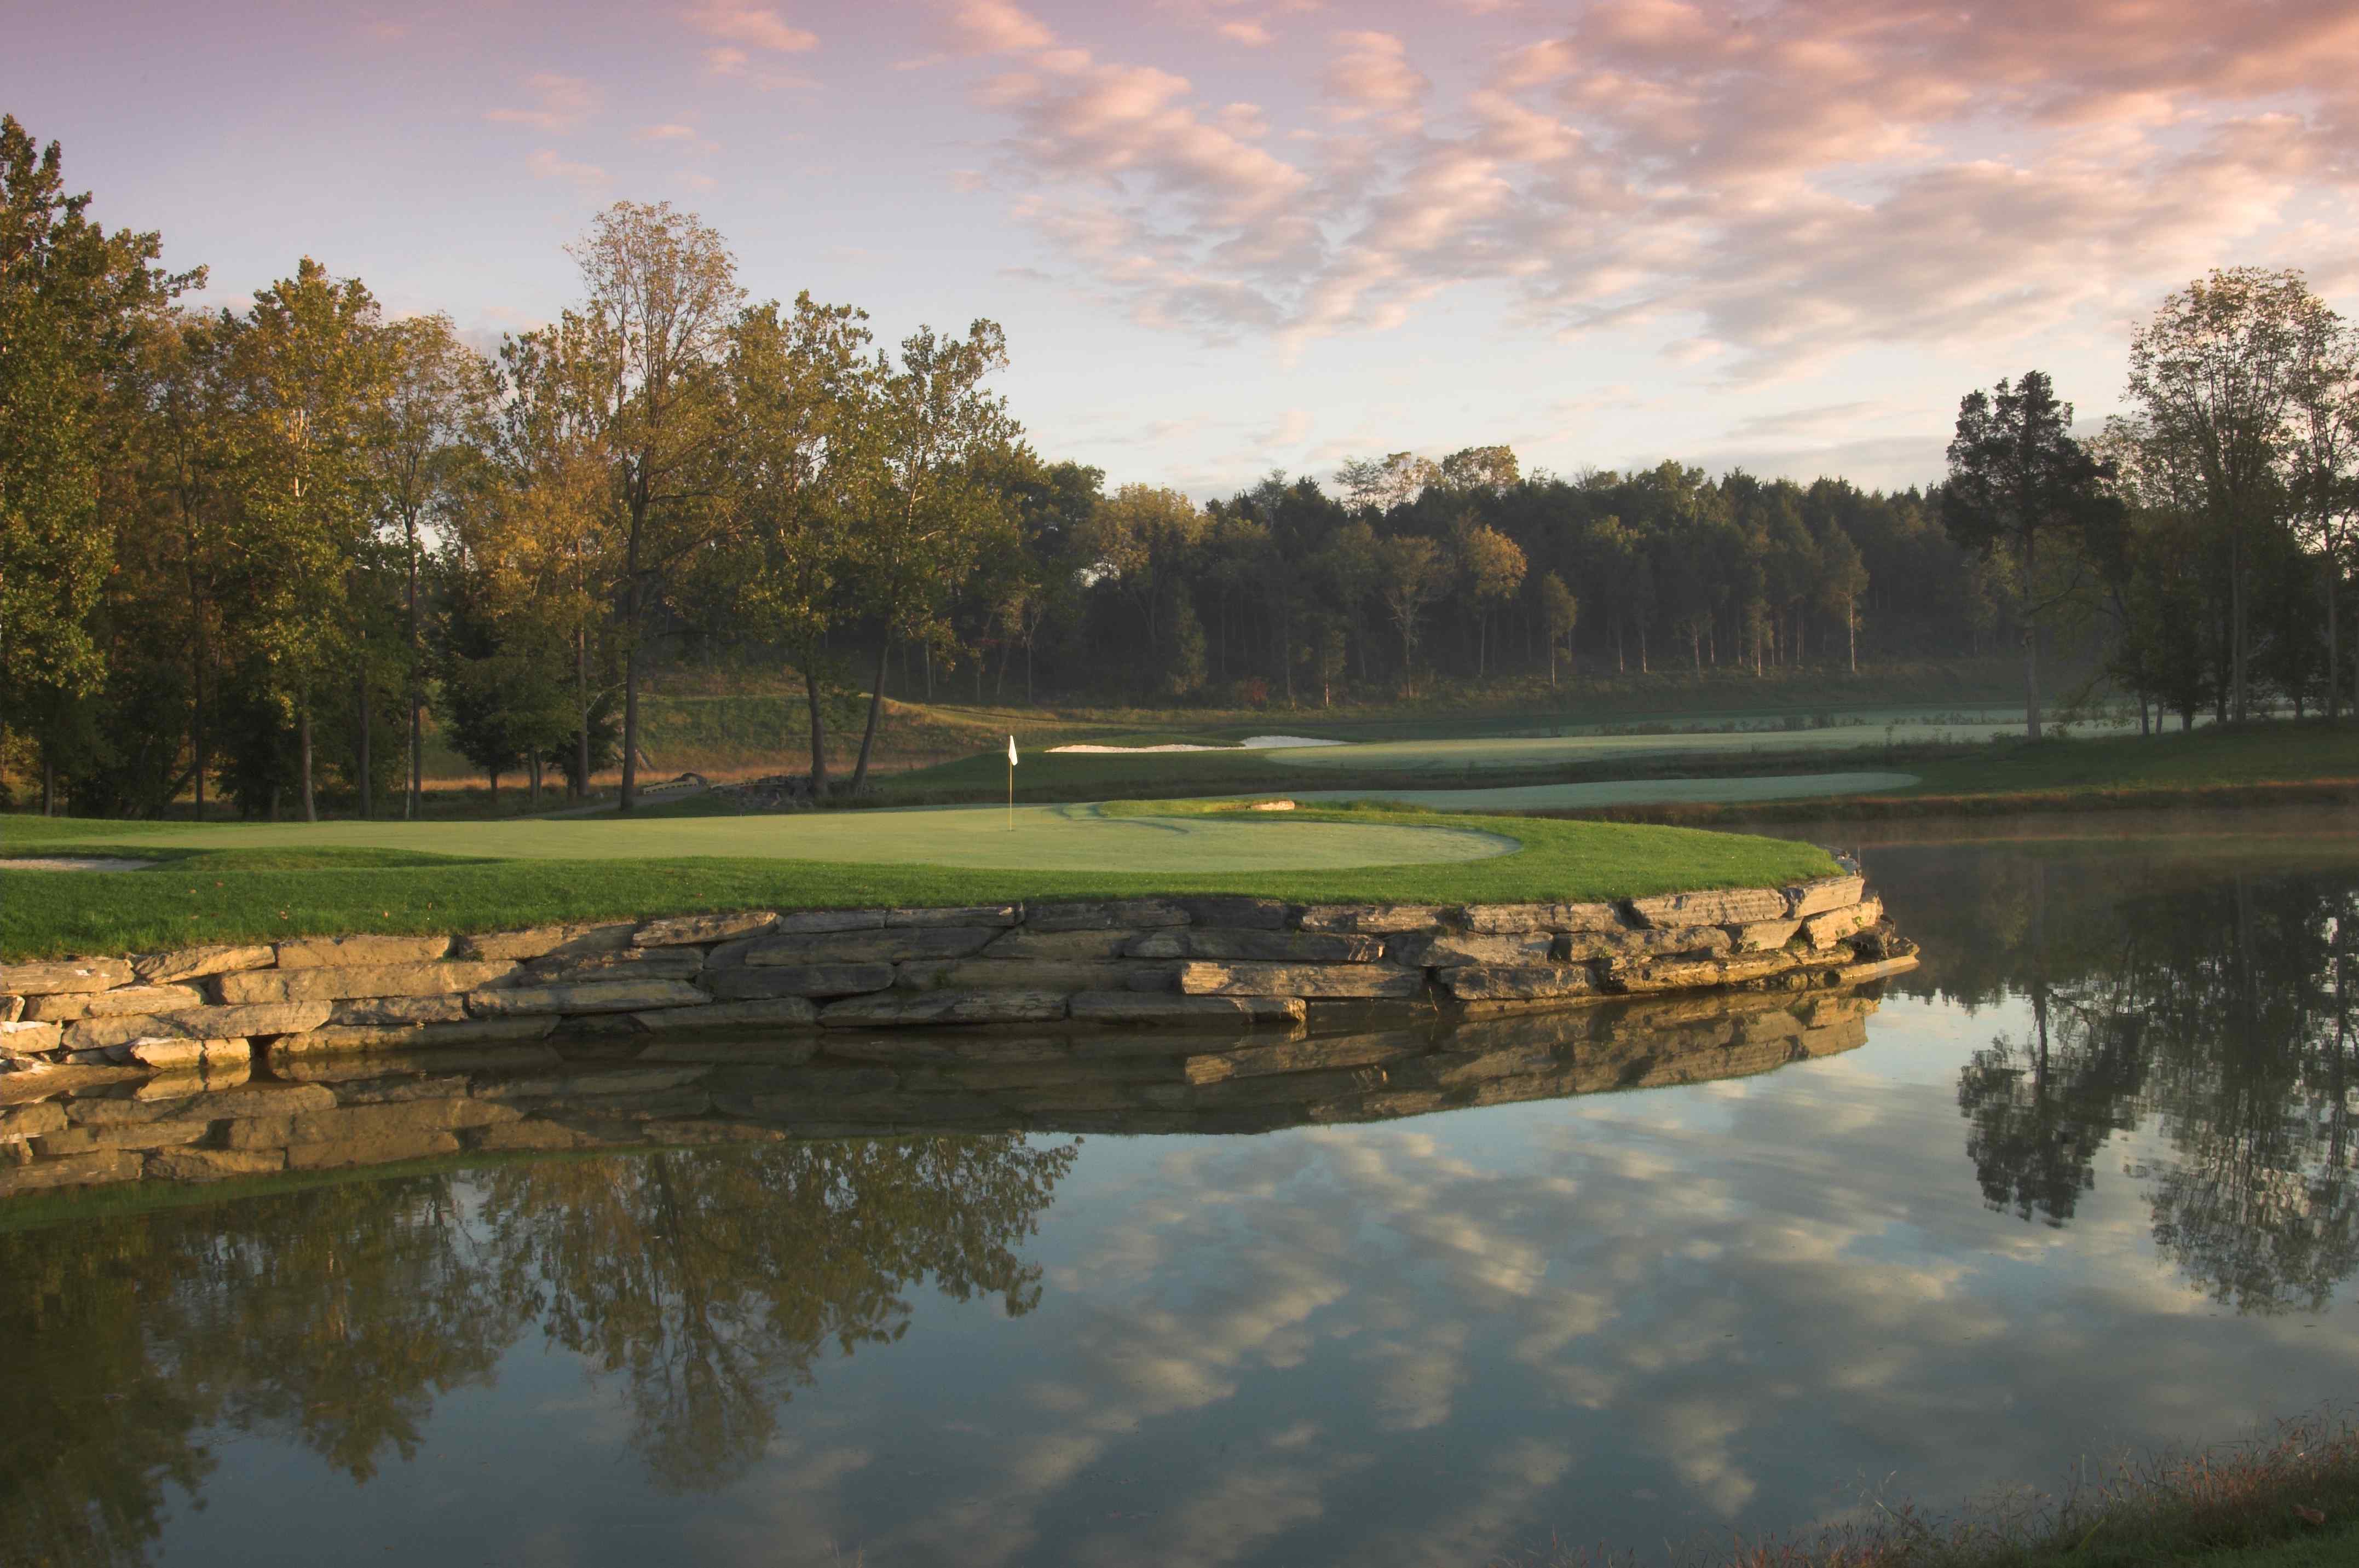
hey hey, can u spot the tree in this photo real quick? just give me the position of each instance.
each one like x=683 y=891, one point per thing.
x=2017 y=478
x=662 y=292
x=2323 y=463
x=1411 y=573
x=1842 y=577
x=795 y=387
x=1559 y=613
x=425 y=454
x=2216 y=375
x=1490 y=568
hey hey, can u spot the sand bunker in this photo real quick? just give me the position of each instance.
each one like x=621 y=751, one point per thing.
x=1250 y=743
x=72 y=863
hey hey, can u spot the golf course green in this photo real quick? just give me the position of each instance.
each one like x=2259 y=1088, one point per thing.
x=1624 y=792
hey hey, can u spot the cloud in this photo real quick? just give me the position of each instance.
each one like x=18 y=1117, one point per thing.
x=756 y=26
x=1373 y=78
x=546 y=164
x=564 y=102
x=996 y=27
x=1252 y=35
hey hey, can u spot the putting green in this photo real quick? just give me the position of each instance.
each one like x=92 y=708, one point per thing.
x=1624 y=792
x=1045 y=838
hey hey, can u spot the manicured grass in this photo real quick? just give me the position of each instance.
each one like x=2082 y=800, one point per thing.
x=2255 y=753
x=194 y=899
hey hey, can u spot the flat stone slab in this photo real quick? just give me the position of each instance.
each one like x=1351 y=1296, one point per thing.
x=624 y=964
x=1762 y=935
x=1454 y=948
x=196 y=963
x=543 y=941
x=1502 y=919
x=67 y=975
x=64 y=1006
x=344 y=982
x=1111 y=915
x=191 y=1056
x=810 y=921
x=585 y=997
x=336 y=1038
x=327 y=952
x=1025 y=974
x=1517 y=983
x=198 y=1023
x=1235 y=913
x=383 y=1010
x=1067 y=945
x=916 y=1009
x=681 y=930
x=749 y=982
x=1806 y=899
x=873 y=947
x=1825 y=930
x=26 y=1037
x=1001 y=915
x=776 y=1012
x=1151 y=1009
x=1204 y=979
x=1383 y=919
x=1728 y=906
x=212 y=1164
x=1266 y=947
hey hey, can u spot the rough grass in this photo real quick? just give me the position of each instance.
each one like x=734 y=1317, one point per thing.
x=2287 y=1499
x=194 y=899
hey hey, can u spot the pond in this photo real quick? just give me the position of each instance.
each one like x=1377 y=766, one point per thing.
x=2081 y=1182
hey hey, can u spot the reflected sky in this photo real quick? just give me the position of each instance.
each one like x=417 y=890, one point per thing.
x=1621 y=1318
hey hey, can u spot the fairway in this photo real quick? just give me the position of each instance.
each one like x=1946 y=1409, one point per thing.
x=1045 y=838
x=1624 y=792
x=1542 y=751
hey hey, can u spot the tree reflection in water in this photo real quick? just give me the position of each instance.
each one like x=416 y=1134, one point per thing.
x=2216 y=1013
x=334 y=1316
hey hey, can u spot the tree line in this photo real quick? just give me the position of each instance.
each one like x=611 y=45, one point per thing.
x=250 y=551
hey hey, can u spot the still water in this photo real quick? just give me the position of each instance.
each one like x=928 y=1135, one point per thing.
x=2081 y=1182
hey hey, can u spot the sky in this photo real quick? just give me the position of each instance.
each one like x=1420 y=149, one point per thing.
x=1227 y=236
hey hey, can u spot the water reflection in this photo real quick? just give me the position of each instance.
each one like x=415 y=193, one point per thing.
x=2216 y=1007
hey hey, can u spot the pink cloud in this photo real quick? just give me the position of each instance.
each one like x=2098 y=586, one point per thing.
x=757 y=27
x=564 y=102
x=996 y=27
x=546 y=164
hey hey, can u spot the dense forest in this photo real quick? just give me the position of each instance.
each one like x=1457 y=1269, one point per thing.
x=247 y=552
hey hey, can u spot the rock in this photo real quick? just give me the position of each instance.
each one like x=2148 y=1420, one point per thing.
x=127 y=1135
x=632 y=1080
x=1113 y=915
x=1727 y=906
x=1149 y=1009
x=40 y=1120
x=1579 y=945
x=75 y=1171
x=64 y=1006
x=12 y=1008
x=1453 y=949
x=1763 y=936
x=1235 y=913
x=69 y=975
x=198 y=1023
x=778 y=1013
x=172 y=1056
x=750 y=983
x=1065 y=945
x=1506 y=919
x=873 y=947
x=27 y=1039
x=182 y=1083
x=1268 y=947
x=1203 y=979
x=1517 y=983
x=354 y=1123
x=588 y=995
x=394 y=1091
x=543 y=941
x=1380 y=919
x=1018 y=974
x=1300 y=1055
x=1826 y=930
x=628 y=964
x=1807 y=899
x=322 y=982
x=412 y=1037
x=212 y=1164
x=196 y=963
x=682 y=929
x=1860 y=974
x=245 y=1102
x=810 y=921
x=398 y=1009
x=1001 y=915
x=912 y=1010
x=328 y=1067
x=342 y=952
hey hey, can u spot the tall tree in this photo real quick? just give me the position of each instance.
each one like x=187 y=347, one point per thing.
x=1411 y=573
x=2216 y=374
x=2017 y=479
x=662 y=292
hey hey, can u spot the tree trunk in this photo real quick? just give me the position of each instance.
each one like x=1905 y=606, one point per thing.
x=368 y=799
x=2333 y=645
x=1027 y=672
x=1851 y=625
x=2237 y=693
x=818 y=726
x=48 y=784
x=532 y=781
x=1551 y=645
x=630 y=791
x=2030 y=645
x=413 y=798
x=581 y=711
x=875 y=712
x=303 y=734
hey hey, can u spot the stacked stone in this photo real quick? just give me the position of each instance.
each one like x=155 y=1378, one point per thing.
x=331 y=1110
x=1197 y=962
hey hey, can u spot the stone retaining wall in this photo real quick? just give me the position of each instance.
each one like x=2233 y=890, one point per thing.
x=1136 y=963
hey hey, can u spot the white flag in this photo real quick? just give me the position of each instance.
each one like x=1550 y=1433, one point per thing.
x=1011 y=751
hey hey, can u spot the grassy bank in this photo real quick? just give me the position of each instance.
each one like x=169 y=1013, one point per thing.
x=212 y=884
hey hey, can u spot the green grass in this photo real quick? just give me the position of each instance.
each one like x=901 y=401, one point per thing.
x=2251 y=754
x=196 y=898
